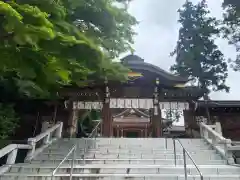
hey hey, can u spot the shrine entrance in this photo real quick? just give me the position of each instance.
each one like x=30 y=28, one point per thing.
x=133 y=108
x=132 y=134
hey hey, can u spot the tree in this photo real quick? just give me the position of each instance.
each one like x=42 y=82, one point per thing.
x=232 y=27
x=47 y=44
x=197 y=56
x=109 y=25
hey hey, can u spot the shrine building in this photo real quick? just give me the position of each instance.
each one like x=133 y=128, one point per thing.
x=134 y=108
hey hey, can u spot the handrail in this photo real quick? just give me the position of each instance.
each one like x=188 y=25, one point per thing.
x=71 y=151
x=11 y=147
x=214 y=138
x=214 y=133
x=236 y=142
x=95 y=129
x=46 y=133
x=11 y=151
x=184 y=159
x=48 y=137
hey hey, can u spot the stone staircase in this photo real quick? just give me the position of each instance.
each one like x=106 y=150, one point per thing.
x=125 y=158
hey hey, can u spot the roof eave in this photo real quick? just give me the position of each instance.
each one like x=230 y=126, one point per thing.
x=157 y=70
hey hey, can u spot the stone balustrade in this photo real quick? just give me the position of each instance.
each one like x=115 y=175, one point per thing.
x=213 y=135
x=41 y=141
x=35 y=145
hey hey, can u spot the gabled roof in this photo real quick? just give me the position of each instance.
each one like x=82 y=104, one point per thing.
x=134 y=62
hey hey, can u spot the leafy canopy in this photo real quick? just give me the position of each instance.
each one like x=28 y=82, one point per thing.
x=47 y=44
x=197 y=55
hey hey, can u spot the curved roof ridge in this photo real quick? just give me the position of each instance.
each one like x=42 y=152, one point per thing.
x=136 y=62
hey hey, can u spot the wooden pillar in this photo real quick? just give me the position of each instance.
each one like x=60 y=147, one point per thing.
x=190 y=121
x=146 y=131
x=142 y=135
x=190 y=117
x=73 y=120
x=156 y=119
x=107 y=121
x=117 y=129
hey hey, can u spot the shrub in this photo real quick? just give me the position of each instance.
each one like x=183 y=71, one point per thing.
x=8 y=120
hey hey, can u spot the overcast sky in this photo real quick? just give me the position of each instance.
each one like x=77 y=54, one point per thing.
x=158 y=33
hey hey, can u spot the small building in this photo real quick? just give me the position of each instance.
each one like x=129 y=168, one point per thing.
x=225 y=112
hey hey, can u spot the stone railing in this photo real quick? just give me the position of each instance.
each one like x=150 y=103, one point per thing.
x=35 y=145
x=11 y=152
x=41 y=141
x=213 y=135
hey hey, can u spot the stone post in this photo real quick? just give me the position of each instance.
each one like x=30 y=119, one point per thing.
x=228 y=154
x=59 y=131
x=12 y=157
x=31 y=152
x=45 y=126
x=218 y=128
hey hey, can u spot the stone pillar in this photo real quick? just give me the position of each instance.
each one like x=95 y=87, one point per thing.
x=156 y=119
x=218 y=128
x=45 y=126
x=107 y=121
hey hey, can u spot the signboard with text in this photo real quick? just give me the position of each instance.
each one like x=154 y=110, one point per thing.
x=124 y=103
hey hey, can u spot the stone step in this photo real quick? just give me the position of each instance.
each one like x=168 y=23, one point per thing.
x=134 y=140
x=126 y=142
x=123 y=159
x=127 y=150
x=130 y=169
x=12 y=176
x=132 y=161
x=129 y=156
x=162 y=146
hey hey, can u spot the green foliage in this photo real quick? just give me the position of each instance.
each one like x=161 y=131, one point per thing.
x=8 y=121
x=197 y=55
x=232 y=27
x=108 y=25
x=47 y=44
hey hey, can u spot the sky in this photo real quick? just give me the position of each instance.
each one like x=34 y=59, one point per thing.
x=157 y=33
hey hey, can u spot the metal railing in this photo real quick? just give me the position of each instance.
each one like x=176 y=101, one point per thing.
x=94 y=132
x=166 y=143
x=71 y=151
x=185 y=152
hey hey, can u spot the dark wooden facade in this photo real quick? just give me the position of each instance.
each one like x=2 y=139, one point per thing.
x=225 y=112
